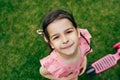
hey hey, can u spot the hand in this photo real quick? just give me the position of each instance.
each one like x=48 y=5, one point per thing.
x=83 y=67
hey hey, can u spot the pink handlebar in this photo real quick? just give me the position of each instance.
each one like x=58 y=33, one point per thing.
x=105 y=62
x=117 y=45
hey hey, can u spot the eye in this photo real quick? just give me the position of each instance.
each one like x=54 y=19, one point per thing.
x=55 y=37
x=70 y=31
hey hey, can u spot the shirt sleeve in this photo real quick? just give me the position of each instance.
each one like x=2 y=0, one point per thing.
x=52 y=65
x=86 y=34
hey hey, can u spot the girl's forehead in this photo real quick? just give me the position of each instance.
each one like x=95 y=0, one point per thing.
x=59 y=25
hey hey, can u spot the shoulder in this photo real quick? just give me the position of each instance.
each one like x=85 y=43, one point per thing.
x=85 y=33
x=86 y=38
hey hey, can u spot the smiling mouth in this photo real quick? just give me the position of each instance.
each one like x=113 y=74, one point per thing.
x=66 y=47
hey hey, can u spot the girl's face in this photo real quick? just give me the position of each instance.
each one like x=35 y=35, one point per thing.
x=63 y=37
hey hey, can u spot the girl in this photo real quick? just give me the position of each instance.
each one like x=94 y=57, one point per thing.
x=69 y=45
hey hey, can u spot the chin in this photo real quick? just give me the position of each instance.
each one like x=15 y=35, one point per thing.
x=68 y=52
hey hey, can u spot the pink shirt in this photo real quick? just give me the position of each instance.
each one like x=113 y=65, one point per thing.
x=58 y=67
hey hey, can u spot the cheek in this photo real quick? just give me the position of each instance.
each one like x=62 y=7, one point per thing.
x=55 y=44
x=74 y=37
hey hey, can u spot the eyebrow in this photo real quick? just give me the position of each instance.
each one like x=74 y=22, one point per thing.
x=69 y=28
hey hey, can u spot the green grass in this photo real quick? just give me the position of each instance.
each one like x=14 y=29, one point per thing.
x=21 y=47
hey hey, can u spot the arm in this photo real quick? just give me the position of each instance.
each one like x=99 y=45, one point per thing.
x=48 y=75
x=83 y=67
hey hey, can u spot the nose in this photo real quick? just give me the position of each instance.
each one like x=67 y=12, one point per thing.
x=65 y=39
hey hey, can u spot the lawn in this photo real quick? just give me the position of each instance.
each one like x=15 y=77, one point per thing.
x=21 y=47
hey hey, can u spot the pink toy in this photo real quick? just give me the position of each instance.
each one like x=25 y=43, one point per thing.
x=106 y=62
